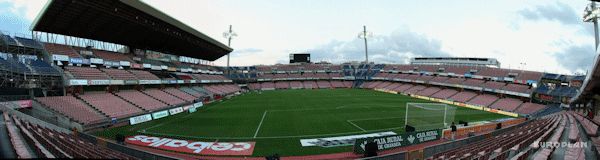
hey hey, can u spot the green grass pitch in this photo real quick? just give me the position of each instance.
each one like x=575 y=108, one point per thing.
x=277 y=120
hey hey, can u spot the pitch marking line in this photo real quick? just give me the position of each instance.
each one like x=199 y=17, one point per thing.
x=260 y=124
x=356 y=125
x=366 y=119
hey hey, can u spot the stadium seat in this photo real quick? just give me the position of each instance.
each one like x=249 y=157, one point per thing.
x=73 y=108
x=110 y=104
x=141 y=100
x=164 y=97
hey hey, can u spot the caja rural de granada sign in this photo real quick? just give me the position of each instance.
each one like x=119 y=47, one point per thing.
x=194 y=147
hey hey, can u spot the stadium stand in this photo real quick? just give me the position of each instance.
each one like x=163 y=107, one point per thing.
x=497 y=147
x=164 y=97
x=310 y=84
x=529 y=108
x=192 y=92
x=507 y=104
x=119 y=74
x=483 y=100
x=444 y=94
x=73 y=108
x=464 y=96
x=403 y=87
x=141 y=100
x=34 y=141
x=414 y=89
x=282 y=85
x=61 y=49
x=267 y=86
x=428 y=91
x=180 y=94
x=296 y=85
x=144 y=75
x=323 y=84
x=110 y=104
x=86 y=73
x=494 y=85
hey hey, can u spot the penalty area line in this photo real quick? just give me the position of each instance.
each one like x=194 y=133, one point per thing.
x=356 y=126
x=260 y=124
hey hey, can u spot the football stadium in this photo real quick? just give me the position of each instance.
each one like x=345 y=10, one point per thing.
x=121 y=79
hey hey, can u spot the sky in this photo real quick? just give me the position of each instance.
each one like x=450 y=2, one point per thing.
x=539 y=35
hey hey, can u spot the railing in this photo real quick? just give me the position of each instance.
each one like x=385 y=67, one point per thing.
x=432 y=150
x=8 y=107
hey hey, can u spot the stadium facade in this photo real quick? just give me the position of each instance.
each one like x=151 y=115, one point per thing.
x=131 y=63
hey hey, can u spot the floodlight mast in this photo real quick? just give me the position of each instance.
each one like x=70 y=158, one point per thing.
x=590 y=14
x=229 y=35
x=364 y=35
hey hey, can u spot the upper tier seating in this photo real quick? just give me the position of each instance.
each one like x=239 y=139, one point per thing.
x=110 y=104
x=180 y=94
x=164 y=97
x=473 y=82
x=29 y=42
x=119 y=74
x=517 y=88
x=141 y=100
x=86 y=73
x=494 y=85
x=41 y=67
x=112 y=56
x=439 y=79
x=483 y=100
x=455 y=81
x=507 y=104
x=144 y=75
x=61 y=49
x=73 y=108
x=11 y=63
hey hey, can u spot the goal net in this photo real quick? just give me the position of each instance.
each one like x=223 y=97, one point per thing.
x=427 y=116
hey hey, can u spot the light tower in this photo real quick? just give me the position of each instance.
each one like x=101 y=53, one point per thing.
x=590 y=14
x=364 y=35
x=229 y=35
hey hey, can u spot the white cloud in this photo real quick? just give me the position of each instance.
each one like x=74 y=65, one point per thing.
x=537 y=33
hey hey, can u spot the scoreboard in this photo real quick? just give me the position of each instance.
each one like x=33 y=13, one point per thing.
x=300 y=58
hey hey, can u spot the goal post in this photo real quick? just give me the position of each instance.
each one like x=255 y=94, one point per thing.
x=427 y=116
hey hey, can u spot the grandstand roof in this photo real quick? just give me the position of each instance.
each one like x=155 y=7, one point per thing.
x=128 y=22
x=591 y=85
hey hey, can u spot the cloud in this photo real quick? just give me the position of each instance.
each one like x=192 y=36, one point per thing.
x=246 y=51
x=398 y=47
x=576 y=58
x=557 y=12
